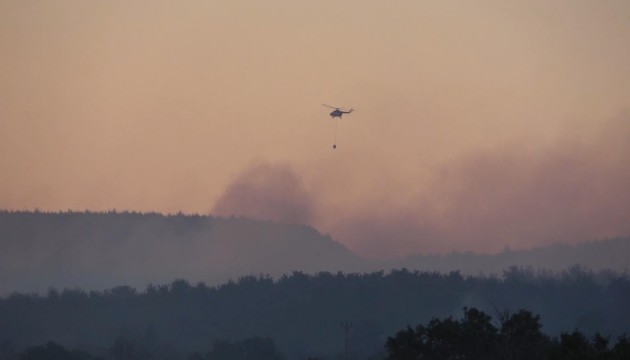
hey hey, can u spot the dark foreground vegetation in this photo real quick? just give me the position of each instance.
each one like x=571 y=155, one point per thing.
x=517 y=337
x=473 y=337
x=249 y=349
x=303 y=314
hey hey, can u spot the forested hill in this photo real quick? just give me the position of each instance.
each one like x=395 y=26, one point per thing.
x=301 y=311
x=96 y=251
x=101 y=250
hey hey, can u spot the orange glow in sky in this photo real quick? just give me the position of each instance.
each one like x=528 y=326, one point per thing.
x=480 y=124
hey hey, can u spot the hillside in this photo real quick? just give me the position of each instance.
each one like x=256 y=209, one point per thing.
x=102 y=250
x=95 y=251
x=610 y=254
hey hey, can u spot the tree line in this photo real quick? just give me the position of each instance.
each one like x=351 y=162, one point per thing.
x=303 y=312
x=473 y=337
x=255 y=348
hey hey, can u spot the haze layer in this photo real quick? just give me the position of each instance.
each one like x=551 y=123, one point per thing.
x=479 y=125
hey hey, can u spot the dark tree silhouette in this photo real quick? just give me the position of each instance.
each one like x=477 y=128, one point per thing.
x=472 y=337
x=478 y=336
x=574 y=346
x=622 y=348
x=521 y=337
x=54 y=351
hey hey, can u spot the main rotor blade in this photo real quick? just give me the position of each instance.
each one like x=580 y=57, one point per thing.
x=332 y=107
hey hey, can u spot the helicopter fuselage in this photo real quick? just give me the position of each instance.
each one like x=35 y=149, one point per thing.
x=338 y=113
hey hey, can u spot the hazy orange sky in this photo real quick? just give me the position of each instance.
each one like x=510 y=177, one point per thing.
x=480 y=124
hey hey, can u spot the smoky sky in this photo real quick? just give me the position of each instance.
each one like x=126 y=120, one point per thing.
x=516 y=195
x=478 y=125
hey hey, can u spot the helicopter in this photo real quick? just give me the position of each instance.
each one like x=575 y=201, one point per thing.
x=338 y=112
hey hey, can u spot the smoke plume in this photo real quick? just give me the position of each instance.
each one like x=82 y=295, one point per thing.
x=516 y=195
x=268 y=192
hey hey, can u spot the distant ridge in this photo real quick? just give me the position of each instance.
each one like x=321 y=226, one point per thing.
x=609 y=254
x=98 y=250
